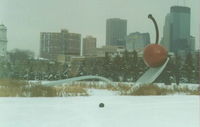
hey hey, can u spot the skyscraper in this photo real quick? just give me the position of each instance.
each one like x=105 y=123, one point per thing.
x=89 y=44
x=180 y=28
x=166 y=33
x=3 y=40
x=53 y=44
x=176 y=36
x=116 y=32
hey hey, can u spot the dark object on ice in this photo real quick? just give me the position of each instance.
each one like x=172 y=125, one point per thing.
x=101 y=105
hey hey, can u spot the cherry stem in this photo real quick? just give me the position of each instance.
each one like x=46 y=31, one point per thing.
x=156 y=27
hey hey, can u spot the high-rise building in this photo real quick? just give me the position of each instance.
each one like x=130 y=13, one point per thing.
x=176 y=36
x=3 y=40
x=89 y=43
x=53 y=44
x=116 y=32
x=180 y=28
x=137 y=41
x=166 y=33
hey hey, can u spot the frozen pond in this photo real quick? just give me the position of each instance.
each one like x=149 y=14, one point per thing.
x=119 y=111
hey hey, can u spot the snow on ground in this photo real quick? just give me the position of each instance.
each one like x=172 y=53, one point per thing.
x=182 y=85
x=119 y=111
x=98 y=92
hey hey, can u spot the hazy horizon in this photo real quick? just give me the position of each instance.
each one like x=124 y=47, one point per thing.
x=25 y=19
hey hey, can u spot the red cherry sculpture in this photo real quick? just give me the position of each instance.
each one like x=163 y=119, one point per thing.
x=154 y=54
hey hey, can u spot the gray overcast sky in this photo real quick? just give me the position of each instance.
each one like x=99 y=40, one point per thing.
x=25 y=19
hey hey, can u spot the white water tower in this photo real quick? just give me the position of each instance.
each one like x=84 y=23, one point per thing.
x=3 y=40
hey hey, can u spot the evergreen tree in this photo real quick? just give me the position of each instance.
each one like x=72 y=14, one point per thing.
x=125 y=66
x=116 y=68
x=197 y=71
x=107 y=66
x=134 y=65
x=166 y=75
x=142 y=67
x=188 y=68
x=176 y=67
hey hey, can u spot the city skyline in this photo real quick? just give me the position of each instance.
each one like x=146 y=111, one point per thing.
x=25 y=20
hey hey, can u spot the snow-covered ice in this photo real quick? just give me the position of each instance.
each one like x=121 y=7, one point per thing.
x=103 y=92
x=119 y=111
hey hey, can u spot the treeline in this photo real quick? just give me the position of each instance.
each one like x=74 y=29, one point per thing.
x=129 y=67
x=181 y=70
x=126 y=67
x=21 y=64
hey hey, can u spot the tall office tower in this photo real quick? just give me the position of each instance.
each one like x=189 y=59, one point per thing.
x=180 y=28
x=53 y=44
x=137 y=41
x=176 y=32
x=3 y=40
x=166 y=33
x=116 y=32
x=89 y=44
